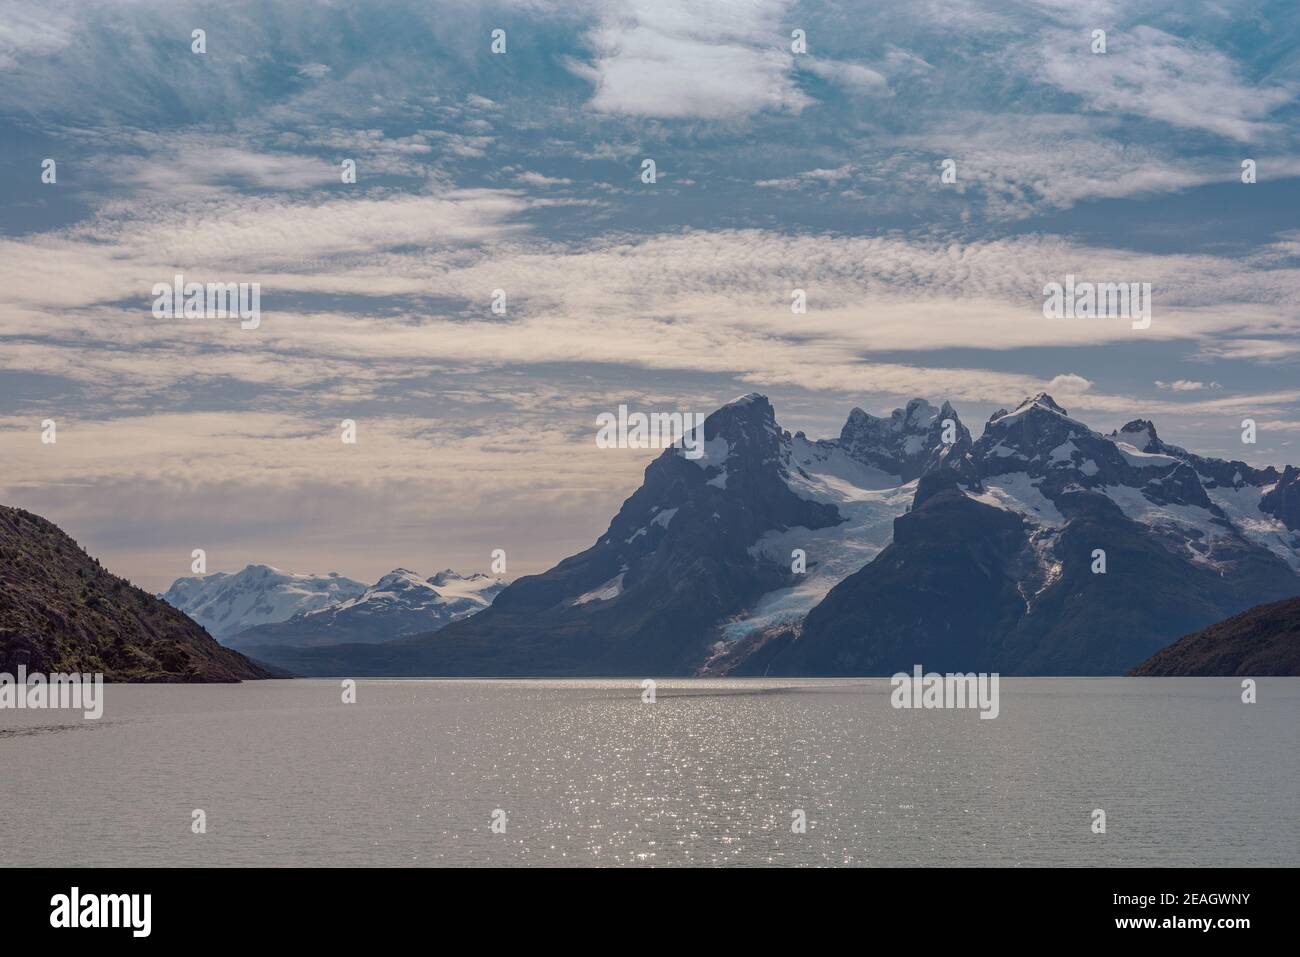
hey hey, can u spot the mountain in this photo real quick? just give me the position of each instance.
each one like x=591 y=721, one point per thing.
x=228 y=604
x=697 y=560
x=1262 y=641
x=992 y=569
x=401 y=603
x=922 y=546
x=61 y=612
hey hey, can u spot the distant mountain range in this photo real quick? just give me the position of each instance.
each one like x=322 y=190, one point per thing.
x=61 y=612
x=922 y=546
x=227 y=604
x=262 y=610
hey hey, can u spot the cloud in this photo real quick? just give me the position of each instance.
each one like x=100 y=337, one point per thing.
x=712 y=302
x=1023 y=165
x=1148 y=72
x=120 y=257
x=464 y=145
x=853 y=77
x=1069 y=383
x=1186 y=385
x=32 y=32
x=812 y=177
x=1261 y=350
x=681 y=58
x=530 y=178
x=196 y=164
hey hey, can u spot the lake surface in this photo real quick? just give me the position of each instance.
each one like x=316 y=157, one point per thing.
x=709 y=774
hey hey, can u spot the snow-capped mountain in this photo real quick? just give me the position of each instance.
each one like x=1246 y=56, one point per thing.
x=227 y=604
x=922 y=546
x=699 y=558
x=1207 y=510
x=400 y=603
x=869 y=476
x=907 y=444
x=995 y=567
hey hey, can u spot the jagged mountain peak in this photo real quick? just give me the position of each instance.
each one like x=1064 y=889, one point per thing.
x=859 y=420
x=751 y=408
x=748 y=422
x=1040 y=402
x=1211 y=512
x=450 y=576
x=908 y=443
x=1046 y=401
x=1038 y=428
x=398 y=578
x=918 y=412
x=756 y=399
x=447 y=584
x=918 y=415
x=1141 y=434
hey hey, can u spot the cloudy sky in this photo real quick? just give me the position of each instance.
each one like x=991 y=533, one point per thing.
x=521 y=171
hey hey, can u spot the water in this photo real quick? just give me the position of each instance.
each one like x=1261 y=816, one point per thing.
x=587 y=774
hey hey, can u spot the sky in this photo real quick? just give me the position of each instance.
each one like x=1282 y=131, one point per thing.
x=776 y=169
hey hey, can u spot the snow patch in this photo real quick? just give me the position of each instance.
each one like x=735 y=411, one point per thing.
x=1241 y=505
x=716 y=451
x=664 y=517
x=1189 y=521
x=611 y=589
x=1143 y=460
x=1063 y=452
x=869 y=499
x=1016 y=492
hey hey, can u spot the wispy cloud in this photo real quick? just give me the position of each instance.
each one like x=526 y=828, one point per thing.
x=1151 y=73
